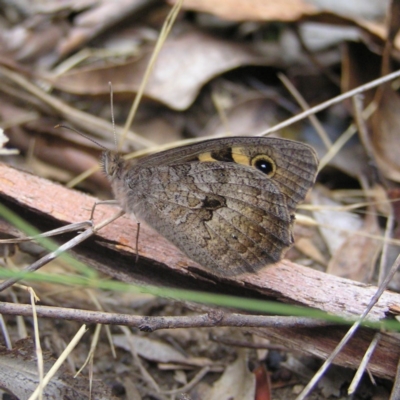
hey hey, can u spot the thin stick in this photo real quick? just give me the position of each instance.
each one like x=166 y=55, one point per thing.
x=6 y=335
x=335 y=100
x=60 y=360
x=49 y=257
x=38 y=348
x=93 y=346
x=190 y=385
x=171 y=17
x=362 y=129
x=363 y=365
x=145 y=374
x=395 y=395
x=303 y=104
x=54 y=232
x=151 y=324
x=83 y=120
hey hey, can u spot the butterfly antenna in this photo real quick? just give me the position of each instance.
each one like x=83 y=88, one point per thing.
x=82 y=134
x=112 y=114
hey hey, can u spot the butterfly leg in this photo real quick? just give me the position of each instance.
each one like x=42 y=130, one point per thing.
x=101 y=202
x=137 y=242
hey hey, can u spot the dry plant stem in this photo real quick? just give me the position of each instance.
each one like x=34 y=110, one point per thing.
x=350 y=332
x=362 y=129
x=38 y=348
x=71 y=62
x=377 y=337
x=388 y=233
x=151 y=324
x=358 y=105
x=197 y=378
x=49 y=257
x=311 y=222
x=108 y=221
x=93 y=345
x=54 y=232
x=348 y=207
x=313 y=119
x=344 y=138
x=65 y=247
x=90 y=357
x=83 y=176
x=98 y=203
x=363 y=365
x=81 y=119
x=146 y=376
x=6 y=336
x=60 y=360
x=169 y=21
x=335 y=100
x=221 y=113
x=22 y=330
x=92 y=296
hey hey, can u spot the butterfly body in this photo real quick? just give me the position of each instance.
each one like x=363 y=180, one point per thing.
x=228 y=204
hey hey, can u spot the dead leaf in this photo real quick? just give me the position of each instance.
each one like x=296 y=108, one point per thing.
x=237 y=382
x=245 y=117
x=97 y=19
x=335 y=225
x=242 y=10
x=185 y=64
x=33 y=39
x=157 y=351
x=356 y=258
x=385 y=136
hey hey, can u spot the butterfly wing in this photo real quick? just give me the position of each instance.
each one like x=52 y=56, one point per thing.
x=226 y=203
x=296 y=163
x=227 y=218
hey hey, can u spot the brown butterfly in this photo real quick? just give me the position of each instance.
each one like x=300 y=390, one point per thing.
x=228 y=204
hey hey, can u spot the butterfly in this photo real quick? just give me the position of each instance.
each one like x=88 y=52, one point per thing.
x=228 y=204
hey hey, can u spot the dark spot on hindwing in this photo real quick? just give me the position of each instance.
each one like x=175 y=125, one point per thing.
x=213 y=202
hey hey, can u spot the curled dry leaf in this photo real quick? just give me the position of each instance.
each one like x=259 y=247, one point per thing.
x=185 y=64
